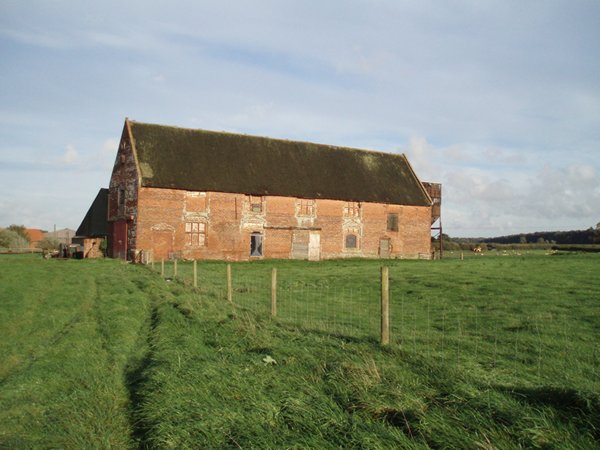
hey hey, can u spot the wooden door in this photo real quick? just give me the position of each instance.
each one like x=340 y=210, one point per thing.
x=314 y=247
x=384 y=248
x=300 y=244
x=119 y=239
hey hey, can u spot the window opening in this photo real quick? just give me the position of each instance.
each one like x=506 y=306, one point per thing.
x=392 y=222
x=306 y=207
x=351 y=241
x=351 y=209
x=256 y=204
x=121 y=201
x=256 y=244
x=195 y=233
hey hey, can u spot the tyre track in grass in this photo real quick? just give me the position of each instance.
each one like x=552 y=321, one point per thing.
x=136 y=371
x=138 y=368
x=127 y=351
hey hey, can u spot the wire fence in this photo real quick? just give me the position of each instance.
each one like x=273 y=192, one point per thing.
x=494 y=335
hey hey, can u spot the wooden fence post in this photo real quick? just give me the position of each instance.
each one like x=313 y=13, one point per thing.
x=162 y=267
x=274 y=292
x=385 y=305
x=462 y=256
x=229 y=285
x=195 y=275
x=175 y=268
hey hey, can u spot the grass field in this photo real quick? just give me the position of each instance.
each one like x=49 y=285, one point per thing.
x=489 y=352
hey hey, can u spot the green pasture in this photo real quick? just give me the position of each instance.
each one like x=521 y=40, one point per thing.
x=493 y=351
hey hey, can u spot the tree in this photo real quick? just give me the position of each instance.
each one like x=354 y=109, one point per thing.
x=21 y=231
x=48 y=243
x=597 y=233
x=12 y=239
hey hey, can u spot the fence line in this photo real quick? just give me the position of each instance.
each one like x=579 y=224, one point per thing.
x=481 y=337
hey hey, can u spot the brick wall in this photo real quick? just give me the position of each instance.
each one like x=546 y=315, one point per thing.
x=122 y=198
x=212 y=225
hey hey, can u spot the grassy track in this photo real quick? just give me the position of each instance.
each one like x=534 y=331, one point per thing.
x=71 y=335
x=489 y=352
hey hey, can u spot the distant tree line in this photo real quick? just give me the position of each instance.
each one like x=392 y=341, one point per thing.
x=539 y=239
x=578 y=237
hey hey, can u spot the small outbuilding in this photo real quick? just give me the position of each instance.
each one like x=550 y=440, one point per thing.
x=93 y=230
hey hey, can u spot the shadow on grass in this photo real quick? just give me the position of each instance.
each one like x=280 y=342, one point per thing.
x=562 y=399
x=318 y=331
x=581 y=409
x=135 y=377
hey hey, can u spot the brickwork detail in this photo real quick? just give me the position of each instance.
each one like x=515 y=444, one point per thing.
x=123 y=197
x=230 y=220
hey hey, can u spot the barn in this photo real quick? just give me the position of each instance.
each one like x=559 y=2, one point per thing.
x=93 y=229
x=196 y=194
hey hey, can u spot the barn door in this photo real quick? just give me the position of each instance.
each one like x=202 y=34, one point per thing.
x=384 y=248
x=119 y=239
x=300 y=244
x=314 y=246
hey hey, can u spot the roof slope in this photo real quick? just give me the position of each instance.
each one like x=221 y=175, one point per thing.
x=200 y=160
x=95 y=222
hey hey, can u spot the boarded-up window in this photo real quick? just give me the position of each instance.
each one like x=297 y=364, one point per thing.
x=256 y=244
x=306 y=207
x=351 y=209
x=392 y=222
x=256 y=204
x=351 y=241
x=195 y=234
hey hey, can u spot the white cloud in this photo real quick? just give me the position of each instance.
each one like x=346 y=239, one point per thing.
x=71 y=155
x=363 y=61
x=38 y=37
x=499 y=191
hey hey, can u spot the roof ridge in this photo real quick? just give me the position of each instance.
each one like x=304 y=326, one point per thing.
x=229 y=133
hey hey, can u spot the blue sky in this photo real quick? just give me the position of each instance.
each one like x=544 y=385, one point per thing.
x=497 y=100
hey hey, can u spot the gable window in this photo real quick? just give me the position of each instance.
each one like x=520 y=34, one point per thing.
x=351 y=241
x=256 y=204
x=195 y=234
x=392 y=222
x=306 y=207
x=351 y=209
x=121 y=201
x=256 y=244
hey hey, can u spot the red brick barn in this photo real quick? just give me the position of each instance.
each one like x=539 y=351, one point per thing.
x=196 y=194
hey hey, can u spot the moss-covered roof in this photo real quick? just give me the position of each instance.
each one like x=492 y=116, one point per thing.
x=200 y=160
x=95 y=222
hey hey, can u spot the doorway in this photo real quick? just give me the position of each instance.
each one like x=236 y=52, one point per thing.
x=314 y=246
x=384 y=248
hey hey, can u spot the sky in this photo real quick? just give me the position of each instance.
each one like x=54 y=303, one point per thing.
x=497 y=100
